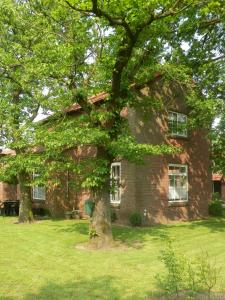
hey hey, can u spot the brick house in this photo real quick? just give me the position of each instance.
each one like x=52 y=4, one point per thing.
x=166 y=188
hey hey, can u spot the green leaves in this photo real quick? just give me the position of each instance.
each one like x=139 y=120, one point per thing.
x=126 y=147
x=56 y=53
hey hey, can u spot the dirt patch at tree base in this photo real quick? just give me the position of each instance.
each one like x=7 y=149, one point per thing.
x=114 y=245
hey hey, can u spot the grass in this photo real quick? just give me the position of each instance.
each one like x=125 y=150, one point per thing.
x=40 y=261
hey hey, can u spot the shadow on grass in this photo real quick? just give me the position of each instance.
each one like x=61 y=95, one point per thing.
x=94 y=288
x=136 y=237
x=132 y=237
x=213 y=224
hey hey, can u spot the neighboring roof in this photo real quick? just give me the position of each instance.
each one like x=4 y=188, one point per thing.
x=93 y=99
x=7 y=152
x=217 y=177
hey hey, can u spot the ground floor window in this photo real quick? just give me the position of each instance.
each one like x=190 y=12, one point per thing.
x=178 y=182
x=115 y=182
x=38 y=191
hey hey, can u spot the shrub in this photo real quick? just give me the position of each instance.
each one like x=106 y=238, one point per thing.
x=185 y=276
x=208 y=273
x=173 y=281
x=113 y=215
x=216 y=196
x=135 y=219
x=216 y=208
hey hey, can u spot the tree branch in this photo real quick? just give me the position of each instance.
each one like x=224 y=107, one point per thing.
x=78 y=9
x=113 y=21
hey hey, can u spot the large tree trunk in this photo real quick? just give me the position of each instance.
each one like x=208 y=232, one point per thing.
x=25 y=211
x=100 y=225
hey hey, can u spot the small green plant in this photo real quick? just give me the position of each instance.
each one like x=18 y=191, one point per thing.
x=187 y=276
x=113 y=216
x=135 y=219
x=216 y=196
x=208 y=273
x=92 y=233
x=172 y=282
x=216 y=208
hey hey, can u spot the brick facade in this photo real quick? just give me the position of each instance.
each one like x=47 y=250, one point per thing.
x=144 y=188
x=8 y=192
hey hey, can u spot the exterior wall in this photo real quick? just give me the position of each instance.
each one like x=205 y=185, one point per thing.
x=144 y=188
x=8 y=192
x=65 y=196
x=150 y=182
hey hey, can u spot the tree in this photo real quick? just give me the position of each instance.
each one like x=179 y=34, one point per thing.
x=148 y=37
x=114 y=47
x=218 y=144
x=26 y=81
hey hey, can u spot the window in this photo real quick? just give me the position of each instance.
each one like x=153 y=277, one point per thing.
x=177 y=124
x=178 y=183
x=38 y=191
x=115 y=181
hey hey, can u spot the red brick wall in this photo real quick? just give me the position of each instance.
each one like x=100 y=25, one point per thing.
x=65 y=197
x=147 y=185
x=8 y=191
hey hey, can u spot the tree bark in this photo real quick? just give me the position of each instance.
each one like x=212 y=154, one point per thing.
x=100 y=225
x=25 y=210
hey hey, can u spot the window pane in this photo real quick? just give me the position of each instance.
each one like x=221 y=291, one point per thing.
x=177 y=124
x=178 y=185
x=38 y=191
x=115 y=183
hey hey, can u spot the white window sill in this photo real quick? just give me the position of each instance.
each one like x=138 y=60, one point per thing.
x=178 y=203
x=38 y=199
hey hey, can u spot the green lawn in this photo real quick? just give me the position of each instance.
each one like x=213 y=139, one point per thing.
x=40 y=261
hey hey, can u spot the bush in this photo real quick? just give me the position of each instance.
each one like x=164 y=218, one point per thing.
x=113 y=216
x=173 y=282
x=186 y=276
x=135 y=219
x=216 y=208
x=216 y=196
x=42 y=212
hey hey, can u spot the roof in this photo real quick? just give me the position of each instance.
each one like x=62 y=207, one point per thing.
x=217 y=177
x=93 y=99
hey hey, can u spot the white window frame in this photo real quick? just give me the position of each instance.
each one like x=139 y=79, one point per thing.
x=115 y=194
x=176 y=132
x=38 y=192
x=171 y=200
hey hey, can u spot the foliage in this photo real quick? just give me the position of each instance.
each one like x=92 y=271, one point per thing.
x=135 y=219
x=173 y=282
x=216 y=196
x=208 y=273
x=86 y=47
x=187 y=275
x=218 y=142
x=41 y=212
x=216 y=208
x=113 y=215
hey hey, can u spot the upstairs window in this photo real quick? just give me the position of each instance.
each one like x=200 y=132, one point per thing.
x=115 y=182
x=178 y=183
x=177 y=124
x=38 y=190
